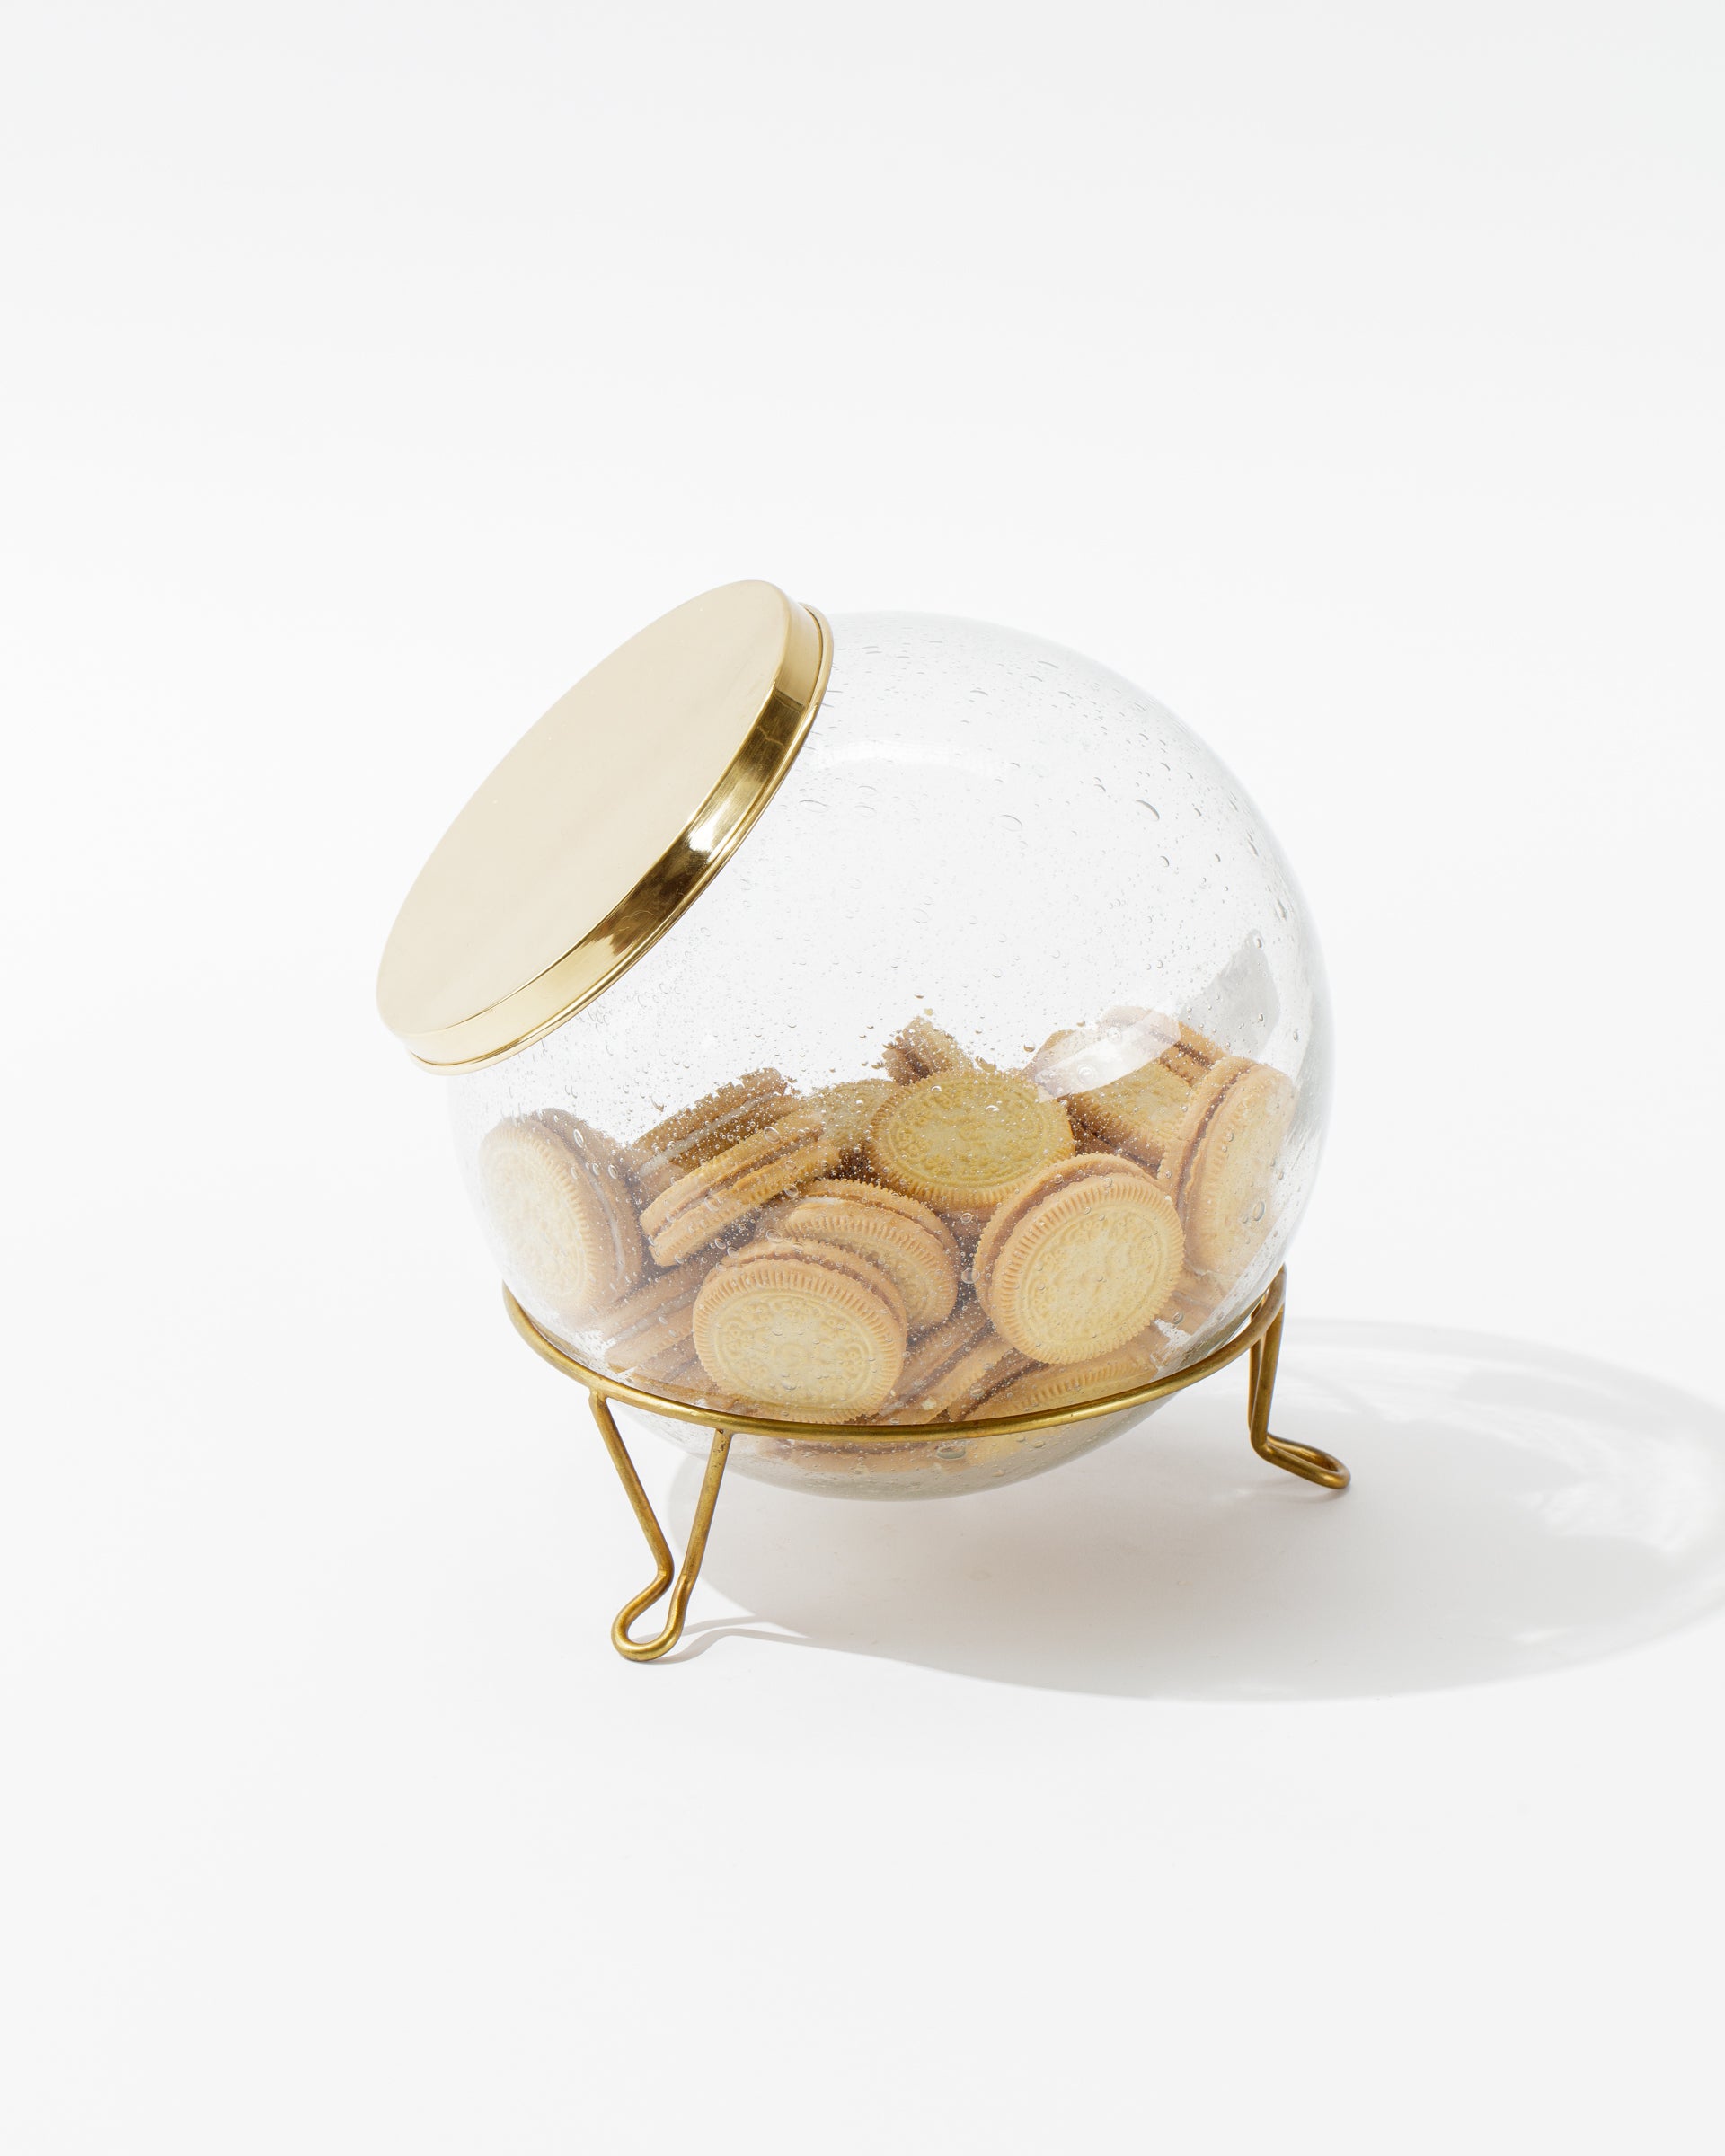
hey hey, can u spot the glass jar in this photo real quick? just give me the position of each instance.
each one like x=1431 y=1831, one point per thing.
x=970 y=1057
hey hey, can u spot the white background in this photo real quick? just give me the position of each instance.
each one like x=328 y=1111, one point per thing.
x=1348 y=376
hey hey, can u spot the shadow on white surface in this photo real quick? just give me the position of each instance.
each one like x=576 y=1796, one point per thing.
x=1514 y=1509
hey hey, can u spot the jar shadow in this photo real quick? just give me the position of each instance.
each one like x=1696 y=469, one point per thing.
x=1514 y=1509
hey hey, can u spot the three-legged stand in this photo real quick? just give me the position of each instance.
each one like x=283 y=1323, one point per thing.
x=1261 y=1334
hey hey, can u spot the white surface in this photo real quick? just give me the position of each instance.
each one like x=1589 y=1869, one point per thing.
x=1347 y=376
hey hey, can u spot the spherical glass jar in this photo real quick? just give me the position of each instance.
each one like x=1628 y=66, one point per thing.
x=990 y=1074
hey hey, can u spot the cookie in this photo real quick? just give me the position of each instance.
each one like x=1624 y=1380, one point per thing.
x=912 y=1245
x=650 y=1335
x=847 y=1114
x=1227 y=1187
x=804 y=1329
x=1067 y=1385
x=684 y=1141
x=933 y=1353
x=1192 y=1054
x=770 y=1220
x=1079 y=1258
x=1157 y=1113
x=1203 y=1097
x=1141 y=1114
x=724 y=1191
x=553 y=1190
x=1195 y=1301
x=951 y=1369
x=960 y=1140
x=920 y=1050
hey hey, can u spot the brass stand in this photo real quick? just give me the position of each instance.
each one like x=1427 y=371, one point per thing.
x=1260 y=1333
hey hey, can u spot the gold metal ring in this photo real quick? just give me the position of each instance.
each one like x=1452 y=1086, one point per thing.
x=1257 y=1322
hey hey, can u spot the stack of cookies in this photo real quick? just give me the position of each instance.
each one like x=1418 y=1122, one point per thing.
x=947 y=1242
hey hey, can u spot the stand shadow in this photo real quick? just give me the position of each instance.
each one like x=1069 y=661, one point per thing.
x=1514 y=1509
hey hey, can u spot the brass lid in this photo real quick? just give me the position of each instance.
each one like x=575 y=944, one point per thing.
x=602 y=824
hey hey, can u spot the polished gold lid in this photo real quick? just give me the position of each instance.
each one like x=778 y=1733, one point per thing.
x=602 y=824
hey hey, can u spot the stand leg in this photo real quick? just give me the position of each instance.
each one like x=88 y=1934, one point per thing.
x=650 y=1650
x=1303 y=1460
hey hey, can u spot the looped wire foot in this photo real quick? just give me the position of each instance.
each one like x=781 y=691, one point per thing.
x=665 y=1568
x=1303 y=1460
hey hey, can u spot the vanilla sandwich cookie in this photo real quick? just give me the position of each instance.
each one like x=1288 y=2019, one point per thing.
x=650 y=1335
x=919 y=1050
x=1212 y=1127
x=952 y=1368
x=847 y=1114
x=553 y=1190
x=1153 y=1110
x=1203 y=1097
x=1140 y=1114
x=694 y=1134
x=1070 y=1384
x=960 y=1140
x=1196 y=1299
x=802 y=1329
x=725 y=1190
x=1226 y=1191
x=1079 y=1258
x=1192 y=1054
x=911 y=1243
